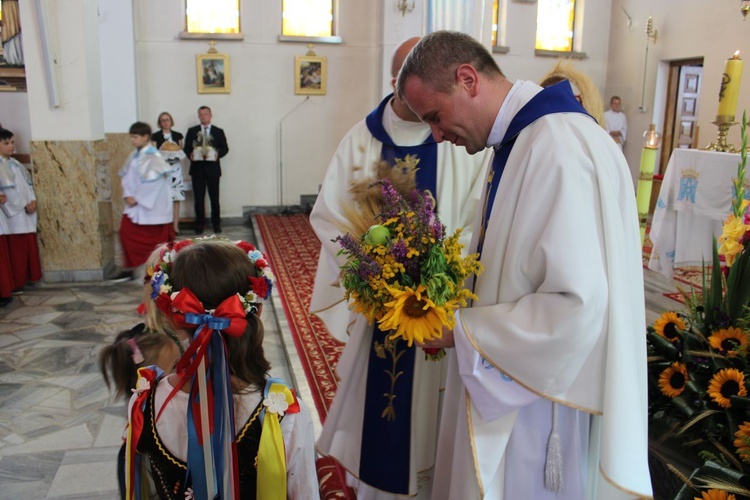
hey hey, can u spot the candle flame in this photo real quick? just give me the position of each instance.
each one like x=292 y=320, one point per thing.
x=736 y=55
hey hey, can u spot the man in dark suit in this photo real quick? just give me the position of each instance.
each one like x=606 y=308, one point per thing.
x=205 y=144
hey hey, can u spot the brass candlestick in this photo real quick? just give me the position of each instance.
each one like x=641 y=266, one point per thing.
x=723 y=122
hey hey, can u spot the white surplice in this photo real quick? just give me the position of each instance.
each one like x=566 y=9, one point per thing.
x=146 y=177
x=460 y=181
x=616 y=121
x=560 y=317
x=20 y=195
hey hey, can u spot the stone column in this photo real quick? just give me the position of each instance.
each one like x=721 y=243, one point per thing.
x=72 y=159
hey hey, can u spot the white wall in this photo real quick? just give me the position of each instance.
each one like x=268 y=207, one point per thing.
x=74 y=41
x=14 y=115
x=118 y=71
x=262 y=92
x=686 y=29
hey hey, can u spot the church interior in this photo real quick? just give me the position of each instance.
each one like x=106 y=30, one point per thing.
x=75 y=75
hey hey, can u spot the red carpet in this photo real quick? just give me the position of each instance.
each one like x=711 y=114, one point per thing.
x=293 y=249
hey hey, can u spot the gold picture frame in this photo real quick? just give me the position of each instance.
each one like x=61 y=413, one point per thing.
x=212 y=73
x=310 y=75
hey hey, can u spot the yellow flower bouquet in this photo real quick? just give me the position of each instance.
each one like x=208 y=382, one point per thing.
x=403 y=272
x=699 y=369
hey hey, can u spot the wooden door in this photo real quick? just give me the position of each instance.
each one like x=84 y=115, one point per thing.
x=681 y=117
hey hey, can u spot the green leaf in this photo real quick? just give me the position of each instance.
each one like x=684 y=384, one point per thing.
x=663 y=346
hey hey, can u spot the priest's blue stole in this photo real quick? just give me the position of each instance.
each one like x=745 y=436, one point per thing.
x=557 y=98
x=386 y=429
x=426 y=152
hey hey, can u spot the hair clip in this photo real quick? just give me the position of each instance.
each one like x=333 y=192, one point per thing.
x=137 y=355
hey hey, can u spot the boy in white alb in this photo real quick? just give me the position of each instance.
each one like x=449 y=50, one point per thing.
x=616 y=122
x=147 y=217
x=19 y=211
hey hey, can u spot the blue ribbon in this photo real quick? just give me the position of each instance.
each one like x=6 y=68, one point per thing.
x=217 y=377
x=211 y=322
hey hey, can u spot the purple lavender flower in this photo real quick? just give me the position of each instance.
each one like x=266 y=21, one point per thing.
x=368 y=269
x=399 y=251
x=392 y=201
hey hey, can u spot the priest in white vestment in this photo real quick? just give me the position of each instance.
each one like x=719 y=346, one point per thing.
x=546 y=393
x=458 y=182
x=616 y=122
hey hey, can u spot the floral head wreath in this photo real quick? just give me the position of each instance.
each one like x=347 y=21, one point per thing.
x=260 y=285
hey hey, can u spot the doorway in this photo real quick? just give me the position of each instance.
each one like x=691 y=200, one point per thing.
x=684 y=78
x=681 y=111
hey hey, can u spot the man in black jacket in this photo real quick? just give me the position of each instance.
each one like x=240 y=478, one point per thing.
x=205 y=144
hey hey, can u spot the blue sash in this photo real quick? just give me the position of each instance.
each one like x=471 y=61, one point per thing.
x=386 y=429
x=557 y=98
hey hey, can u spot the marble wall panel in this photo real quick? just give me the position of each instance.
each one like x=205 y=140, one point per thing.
x=118 y=150
x=75 y=217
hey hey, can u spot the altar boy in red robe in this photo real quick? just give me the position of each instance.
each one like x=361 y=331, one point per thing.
x=19 y=211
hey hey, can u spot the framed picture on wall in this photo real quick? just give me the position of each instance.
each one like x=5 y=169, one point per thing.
x=212 y=72
x=310 y=75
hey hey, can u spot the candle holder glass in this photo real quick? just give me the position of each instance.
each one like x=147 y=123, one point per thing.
x=723 y=122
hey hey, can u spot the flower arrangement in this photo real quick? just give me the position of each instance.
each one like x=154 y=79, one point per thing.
x=699 y=369
x=260 y=285
x=403 y=272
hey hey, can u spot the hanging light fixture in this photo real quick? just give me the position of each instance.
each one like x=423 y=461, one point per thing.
x=744 y=8
x=404 y=7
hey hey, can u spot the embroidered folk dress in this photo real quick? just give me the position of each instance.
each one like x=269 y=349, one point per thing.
x=458 y=189
x=166 y=444
x=559 y=318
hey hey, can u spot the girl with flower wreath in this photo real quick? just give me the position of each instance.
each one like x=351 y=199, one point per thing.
x=218 y=425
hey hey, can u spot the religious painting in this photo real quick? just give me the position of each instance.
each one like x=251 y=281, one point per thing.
x=309 y=75
x=212 y=72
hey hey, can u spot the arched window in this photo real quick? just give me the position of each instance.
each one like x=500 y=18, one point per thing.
x=212 y=16
x=307 y=18
x=555 y=21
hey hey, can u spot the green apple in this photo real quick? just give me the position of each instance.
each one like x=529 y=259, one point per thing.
x=377 y=235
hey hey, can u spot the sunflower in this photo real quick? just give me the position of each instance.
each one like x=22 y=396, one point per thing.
x=668 y=325
x=730 y=341
x=742 y=441
x=727 y=382
x=672 y=380
x=414 y=316
x=715 y=495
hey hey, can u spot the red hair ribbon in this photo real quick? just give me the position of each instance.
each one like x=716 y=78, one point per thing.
x=229 y=317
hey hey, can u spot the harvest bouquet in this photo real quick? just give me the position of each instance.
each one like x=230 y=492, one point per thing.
x=699 y=369
x=402 y=271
